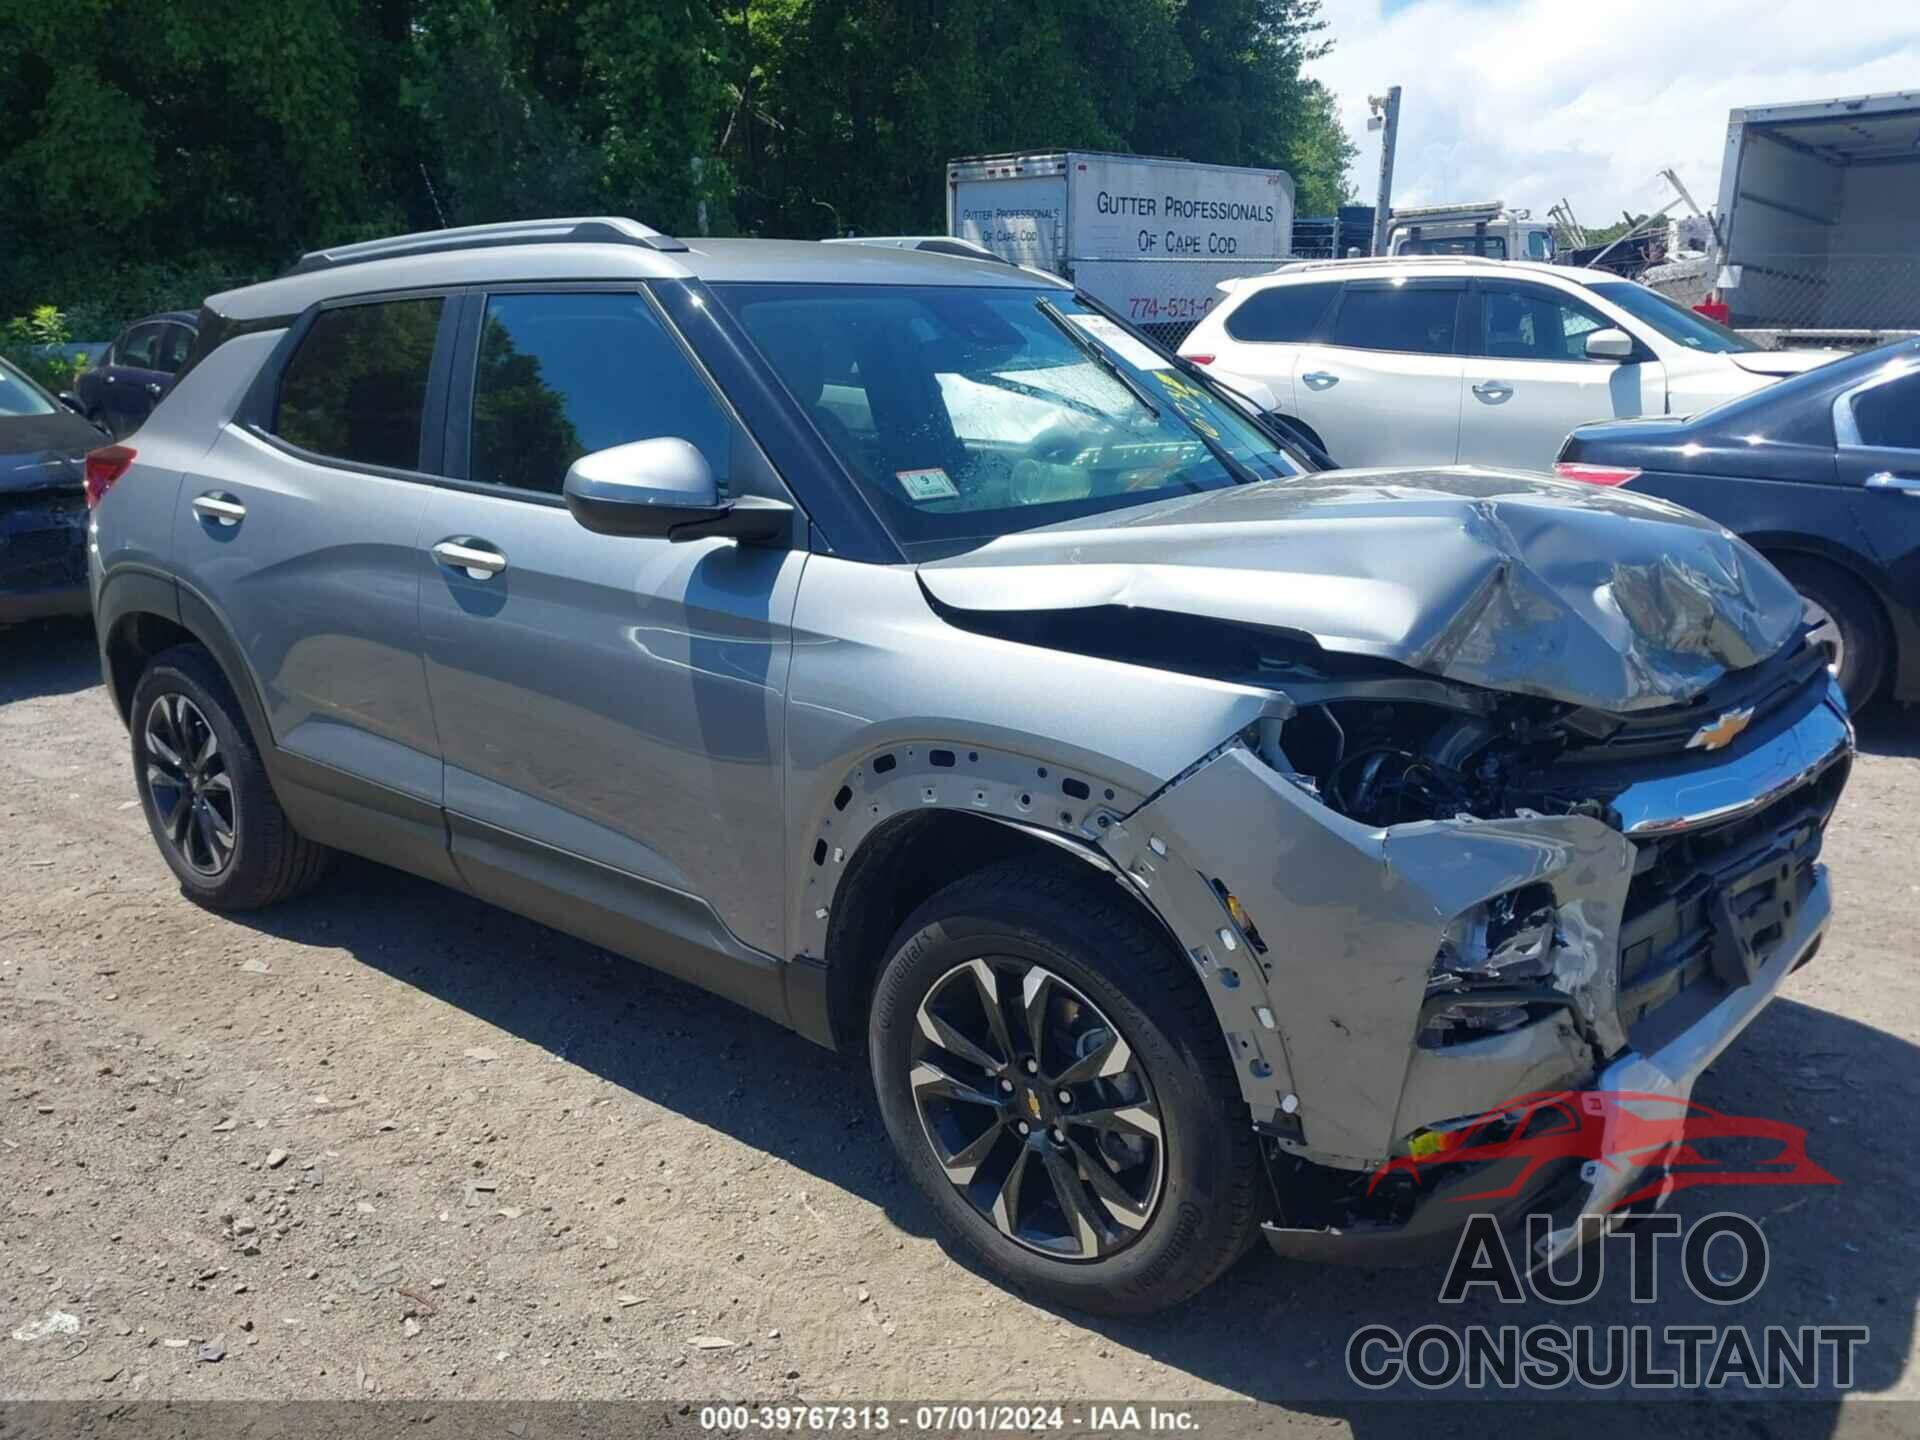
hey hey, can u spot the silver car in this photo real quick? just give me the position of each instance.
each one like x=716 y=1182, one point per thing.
x=906 y=649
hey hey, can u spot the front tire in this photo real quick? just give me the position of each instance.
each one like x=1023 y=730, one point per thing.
x=206 y=794
x=1058 y=1088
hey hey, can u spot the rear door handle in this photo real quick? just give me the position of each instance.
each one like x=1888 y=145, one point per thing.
x=1321 y=379
x=220 y=508
x=1899 y=484
x=1493 y=390
x=479 y=560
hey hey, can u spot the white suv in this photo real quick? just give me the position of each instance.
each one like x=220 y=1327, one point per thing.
x=1462 y=360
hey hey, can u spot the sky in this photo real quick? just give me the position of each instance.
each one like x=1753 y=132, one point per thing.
x=1529 y=101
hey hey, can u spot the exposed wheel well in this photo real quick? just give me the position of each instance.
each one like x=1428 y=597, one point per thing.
x=135 y=640
x=900 y=866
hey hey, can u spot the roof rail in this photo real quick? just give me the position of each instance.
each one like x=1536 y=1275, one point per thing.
x=1401 y=260
x=577 y=230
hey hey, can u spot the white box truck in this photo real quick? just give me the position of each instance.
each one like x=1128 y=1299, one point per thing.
x=1150 y=238
x=1820 y=219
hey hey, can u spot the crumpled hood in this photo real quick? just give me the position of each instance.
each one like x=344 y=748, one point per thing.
x=1782 y=362
x=1509 y=581
x=39 y=452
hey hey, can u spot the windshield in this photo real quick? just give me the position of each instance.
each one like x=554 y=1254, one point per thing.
x=965 y=413
x=20 y=396
x=1673 y=320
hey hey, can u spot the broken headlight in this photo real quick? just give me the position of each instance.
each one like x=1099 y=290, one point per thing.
x=1493 y=971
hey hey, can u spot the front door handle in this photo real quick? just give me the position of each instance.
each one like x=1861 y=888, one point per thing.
x=1321 y=379
x=152 y=388
x=1493 y=391
x=1899 y=484
x=219 y=507
x=476 y=558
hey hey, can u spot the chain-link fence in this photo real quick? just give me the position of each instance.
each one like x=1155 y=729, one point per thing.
x=1166 y=297
x=1824 y=290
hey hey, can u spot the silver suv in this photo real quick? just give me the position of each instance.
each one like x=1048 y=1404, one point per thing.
x=906 y=649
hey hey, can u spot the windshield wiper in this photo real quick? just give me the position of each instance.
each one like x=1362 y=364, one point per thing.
x=1095 y=352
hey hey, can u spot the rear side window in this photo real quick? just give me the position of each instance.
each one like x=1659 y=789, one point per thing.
x=356 y=388
x=559 y=376
x=1415 y=319
x=1889 y=415
x=1280 y=313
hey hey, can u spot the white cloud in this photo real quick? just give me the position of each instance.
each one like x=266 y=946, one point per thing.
x=1530 y=100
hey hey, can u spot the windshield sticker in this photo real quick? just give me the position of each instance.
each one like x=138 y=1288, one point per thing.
x=1119 y=342
x=927 y=484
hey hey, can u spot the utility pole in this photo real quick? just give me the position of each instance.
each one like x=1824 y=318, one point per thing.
x=1386 y=119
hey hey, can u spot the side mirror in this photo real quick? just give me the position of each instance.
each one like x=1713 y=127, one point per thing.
x=664 y=488
x=1609 y=344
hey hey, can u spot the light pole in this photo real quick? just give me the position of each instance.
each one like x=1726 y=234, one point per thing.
x=1386 y=119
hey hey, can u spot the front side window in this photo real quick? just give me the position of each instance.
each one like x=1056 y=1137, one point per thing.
x=1539 y=245
x=1675 y=321
x=559 y=376
x=1280 y=313
x=1415 y=319
x=1888 y=415
x=1527 y=324
x=965 y=412
x=174 y=345
x=140 y=347
x=356 y=388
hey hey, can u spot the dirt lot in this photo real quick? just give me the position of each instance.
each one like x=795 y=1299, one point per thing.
x=388 y=1141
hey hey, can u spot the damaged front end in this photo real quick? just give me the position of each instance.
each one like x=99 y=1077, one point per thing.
x=1422 y=899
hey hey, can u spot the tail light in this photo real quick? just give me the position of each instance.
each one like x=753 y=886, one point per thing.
x=1594 y=474
x=104 y=466
x=1201 y=359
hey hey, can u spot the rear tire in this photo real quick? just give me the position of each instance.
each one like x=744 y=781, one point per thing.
x=206 y=794
x=1837 y=598
x=1131 y=1075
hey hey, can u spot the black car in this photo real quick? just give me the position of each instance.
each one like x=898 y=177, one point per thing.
x=43 y=510
x=1821 y=474
x=136 y=370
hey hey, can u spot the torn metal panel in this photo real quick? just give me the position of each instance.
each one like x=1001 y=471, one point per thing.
x=1356 y=918
x=1511 y=582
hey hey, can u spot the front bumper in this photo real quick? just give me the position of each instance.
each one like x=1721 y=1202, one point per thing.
x=1320 y=995
x=1583 y=1202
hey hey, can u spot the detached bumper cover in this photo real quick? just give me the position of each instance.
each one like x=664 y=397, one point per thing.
x=1323 y=1021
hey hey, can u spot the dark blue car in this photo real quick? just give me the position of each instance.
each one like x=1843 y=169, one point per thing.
x=120 y=390
x=1821 y=474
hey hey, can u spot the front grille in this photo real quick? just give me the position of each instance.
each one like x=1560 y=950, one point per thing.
x=1784 y=679
x=43 y=542
x=1706 y=907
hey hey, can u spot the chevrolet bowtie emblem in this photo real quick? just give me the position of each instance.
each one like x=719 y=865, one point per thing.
x=1721 y=731
x=1033 y=1104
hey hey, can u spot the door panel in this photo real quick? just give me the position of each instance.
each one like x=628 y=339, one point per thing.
x=1385 y=387
x=310 y=559
x=615 y=698
x=124 y=398
x=1527 y=381
x=619 y=699
x=1377 y=407
x=1517 y=413
x=319 y=580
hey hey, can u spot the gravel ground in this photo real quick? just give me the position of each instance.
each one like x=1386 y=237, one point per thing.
x=388 y=1141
